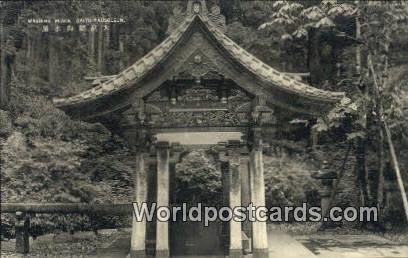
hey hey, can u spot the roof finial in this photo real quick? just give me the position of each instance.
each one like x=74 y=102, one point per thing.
x=196 y=7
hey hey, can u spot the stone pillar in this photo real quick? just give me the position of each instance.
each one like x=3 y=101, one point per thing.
x=245 y=199
x=326 y=175
x=314 y=138
x=325 y=195
x=151 y=198
x=138 y=238
x=234 y=178
x=172 y=182
x=162 y=227
x=22 y=233
x=175 y=152
x=223 y=165
x=259 y=229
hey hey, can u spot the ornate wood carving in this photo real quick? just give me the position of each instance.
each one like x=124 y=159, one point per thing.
x=135 y=115
x=197 y=7
x=196 y=119
x=261 y=113
x=199 y=65
x=198 y=93
x=176 y=19
x=197 y=105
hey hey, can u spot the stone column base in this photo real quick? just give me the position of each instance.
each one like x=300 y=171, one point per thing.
x=260 y=253
x=137 y=254
x=235 y=253
x=162 y=254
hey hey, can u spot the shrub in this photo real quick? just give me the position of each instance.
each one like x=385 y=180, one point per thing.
x=288 y=181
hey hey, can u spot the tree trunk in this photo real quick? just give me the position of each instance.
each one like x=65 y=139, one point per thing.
x=337 y=182
x=100 y=50
x=76 y=58
x=362 y=174
x=29 y=46
x=33 y=58
x=29 y=56
x=7 y=60
x=52 y=60
x=313 y=58
x=3 y=92
x=380 y=150
x=121 y=51
x=108 y=36
x=107 y=45
x=397 y=170
x=384 y=81
x=91 y=52
x=358 y=47
x=380 y=187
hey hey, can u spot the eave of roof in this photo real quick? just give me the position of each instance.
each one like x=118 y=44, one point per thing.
x=130 y=76
x=269 y=74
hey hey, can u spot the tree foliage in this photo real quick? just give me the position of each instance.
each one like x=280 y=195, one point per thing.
x=198 y=179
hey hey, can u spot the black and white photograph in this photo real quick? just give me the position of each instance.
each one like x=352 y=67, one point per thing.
x=204 y=129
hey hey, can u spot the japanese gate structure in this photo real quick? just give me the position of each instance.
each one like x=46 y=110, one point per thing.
x=198 y=80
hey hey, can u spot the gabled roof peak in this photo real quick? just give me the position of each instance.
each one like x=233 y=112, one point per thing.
x=281 y=89
x=196 y=8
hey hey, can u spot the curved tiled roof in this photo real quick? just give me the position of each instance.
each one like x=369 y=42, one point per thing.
x=130 y=74
x=267 y=74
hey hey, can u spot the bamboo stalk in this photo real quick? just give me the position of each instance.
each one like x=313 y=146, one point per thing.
x=397 y=170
